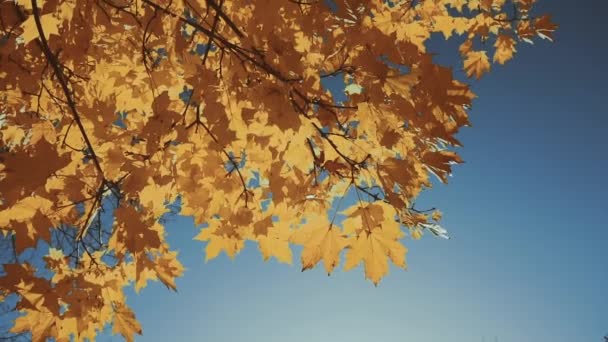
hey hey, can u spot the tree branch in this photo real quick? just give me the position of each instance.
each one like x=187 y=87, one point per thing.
x=44 y=45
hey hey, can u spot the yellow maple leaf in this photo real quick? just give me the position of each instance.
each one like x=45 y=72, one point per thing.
x=445 y=25
x=155 y=196
x=437 y=215
x=505 y=48
x=376 y=240
x=374 y=249
x=276 y=244
x=416 y=233
x=167 y=268
x=25 y=210
x=416 y=33
x=217 y=242
x=302 y=42
x=49 y=22
x=125 y=322
x=43 y=129
x=143 y=274
x=465 y=47
x=457 y=4
x=400 y=84
x=29 y=294
x=461 y=25
x=13 y=135
x=39 y=323
x=474 y=5
x=68 y=326
x=476 y=63
x=321 y=241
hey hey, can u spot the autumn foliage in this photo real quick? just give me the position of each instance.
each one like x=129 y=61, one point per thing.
x=112 y=111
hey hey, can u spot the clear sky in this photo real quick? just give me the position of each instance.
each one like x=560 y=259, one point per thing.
x=528 y=258
x=528 y=261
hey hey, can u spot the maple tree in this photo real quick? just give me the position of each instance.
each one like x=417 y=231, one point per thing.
x=112 y=110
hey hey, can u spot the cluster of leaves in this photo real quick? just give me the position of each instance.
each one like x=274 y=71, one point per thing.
x=112 y=109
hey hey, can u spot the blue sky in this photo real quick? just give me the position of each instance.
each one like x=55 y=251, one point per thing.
x=528 y=260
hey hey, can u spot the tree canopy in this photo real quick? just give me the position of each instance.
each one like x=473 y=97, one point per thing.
x=113 y=112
